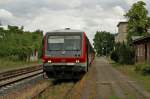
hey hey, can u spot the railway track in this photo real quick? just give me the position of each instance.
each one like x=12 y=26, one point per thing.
x=38 y=94
x=59 y=89
x=66 y=91
x=9 y=78
x=12 y=76
x=70 y=91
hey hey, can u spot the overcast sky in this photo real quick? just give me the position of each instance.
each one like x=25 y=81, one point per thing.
x=47 y=15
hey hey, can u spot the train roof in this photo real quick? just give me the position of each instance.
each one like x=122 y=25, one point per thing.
x=65 y=30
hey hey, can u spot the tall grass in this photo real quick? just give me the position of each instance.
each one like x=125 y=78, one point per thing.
x=131 y=71
x=6 y=64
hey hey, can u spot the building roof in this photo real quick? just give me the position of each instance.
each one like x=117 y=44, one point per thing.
x=136 y=37
x=142 y=38
x=122 y=23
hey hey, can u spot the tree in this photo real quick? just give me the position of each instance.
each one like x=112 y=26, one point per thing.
x=103 y=42
x=38 y=37
x=137 y=20
x=18 y=44
x=148 y=23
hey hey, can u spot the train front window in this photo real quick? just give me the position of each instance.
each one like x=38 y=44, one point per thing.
x=64 y=42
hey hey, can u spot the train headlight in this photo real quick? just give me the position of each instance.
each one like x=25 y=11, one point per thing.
x=49 y=61
x=77 y=61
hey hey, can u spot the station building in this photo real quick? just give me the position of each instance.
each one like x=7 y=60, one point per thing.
x=122 y=32
x=142 y=49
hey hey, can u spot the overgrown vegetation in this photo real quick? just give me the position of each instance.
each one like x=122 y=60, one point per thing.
x=143 y=68
x=16 y=44
x=7 y=64
x=103 y=42
x=129 y=70
x=123 y=54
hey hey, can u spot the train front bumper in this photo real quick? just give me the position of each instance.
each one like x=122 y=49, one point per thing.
x=74 y=67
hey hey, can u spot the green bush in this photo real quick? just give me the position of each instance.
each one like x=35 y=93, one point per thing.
x=146 y=70
x=114 y=56
x=123 y=54
x=143 y=68
x=17 y=44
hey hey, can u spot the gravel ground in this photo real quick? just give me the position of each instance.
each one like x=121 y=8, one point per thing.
x=23 y=89
x=105 y=82
x=111 y=84
x=58 y=90
x=86 y=88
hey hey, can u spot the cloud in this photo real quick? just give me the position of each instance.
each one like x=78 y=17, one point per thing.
x=49 y=20
x=6 y=16
x=65 y=3
x=119 y=11
x=130 y=2
x=6 y=1
x=87 y=15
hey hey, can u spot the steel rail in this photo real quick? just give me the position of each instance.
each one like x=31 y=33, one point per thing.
x=18 y=72
x=12 y=76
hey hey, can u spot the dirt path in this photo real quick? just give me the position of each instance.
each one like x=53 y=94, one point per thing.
x=111 y=84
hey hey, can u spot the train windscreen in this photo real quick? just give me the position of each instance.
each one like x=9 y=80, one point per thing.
x=67 y=43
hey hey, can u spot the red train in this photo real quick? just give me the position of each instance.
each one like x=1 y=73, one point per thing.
x=67 y=53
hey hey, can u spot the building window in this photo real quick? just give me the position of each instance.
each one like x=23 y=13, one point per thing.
x=141 y=51
x=138 y=51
